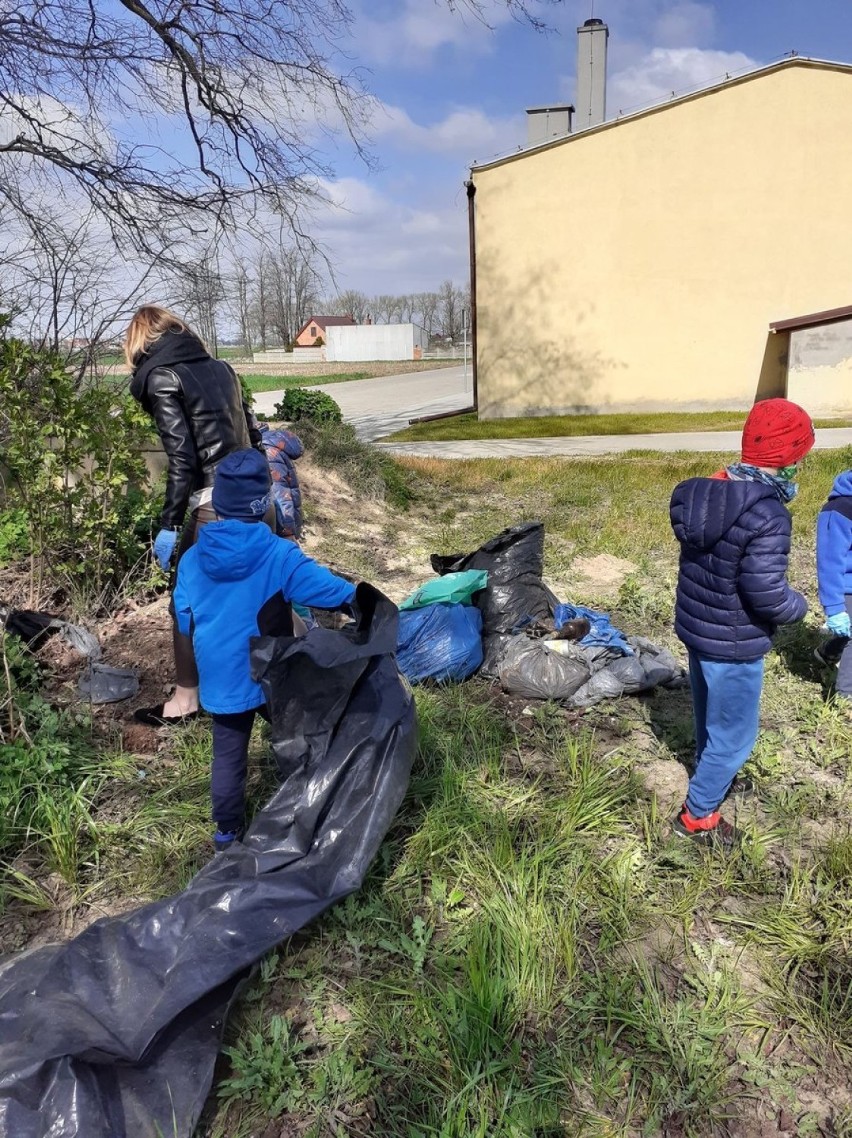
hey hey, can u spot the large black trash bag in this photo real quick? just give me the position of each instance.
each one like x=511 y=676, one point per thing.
x=531 y=670
x=115 y=1034
x=514 y=560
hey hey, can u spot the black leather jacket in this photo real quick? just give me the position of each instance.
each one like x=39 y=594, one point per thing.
x=200 y=415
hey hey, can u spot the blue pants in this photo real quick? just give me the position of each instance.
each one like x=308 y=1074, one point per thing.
x=231 y=734
x=726 y=706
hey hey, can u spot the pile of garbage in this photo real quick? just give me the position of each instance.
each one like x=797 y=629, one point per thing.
x=115 y=1034
x=489 y=611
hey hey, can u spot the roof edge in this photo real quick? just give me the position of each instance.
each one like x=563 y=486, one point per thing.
x=724 y=84
x=812 y=320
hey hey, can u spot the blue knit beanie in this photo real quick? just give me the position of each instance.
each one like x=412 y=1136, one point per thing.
x=241 y=486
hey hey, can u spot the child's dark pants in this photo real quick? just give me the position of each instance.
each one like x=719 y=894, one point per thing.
x=840 y=648
x=231 y=734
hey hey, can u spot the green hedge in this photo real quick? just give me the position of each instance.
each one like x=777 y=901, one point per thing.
x=299 y=405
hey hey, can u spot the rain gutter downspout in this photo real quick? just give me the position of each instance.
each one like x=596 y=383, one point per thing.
x=471 y=225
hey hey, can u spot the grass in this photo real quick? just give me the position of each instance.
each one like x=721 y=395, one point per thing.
x=258 y=383
x=551 y=426
x=531 y=954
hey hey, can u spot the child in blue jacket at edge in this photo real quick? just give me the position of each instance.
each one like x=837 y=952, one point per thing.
x=834 y=579
x=236 y=582
x=732 y=593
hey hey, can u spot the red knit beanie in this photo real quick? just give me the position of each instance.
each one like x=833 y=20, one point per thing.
x=777 y=433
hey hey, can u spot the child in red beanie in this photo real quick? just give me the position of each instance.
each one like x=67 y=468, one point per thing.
x=732 y=593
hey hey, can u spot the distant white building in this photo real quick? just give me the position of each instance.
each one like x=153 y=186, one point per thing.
x=375 y=342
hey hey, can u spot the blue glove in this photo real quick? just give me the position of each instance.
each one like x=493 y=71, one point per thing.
x=166 y=540
x=839 y=624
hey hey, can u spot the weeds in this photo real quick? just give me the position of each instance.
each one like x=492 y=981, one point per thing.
x=530 y=954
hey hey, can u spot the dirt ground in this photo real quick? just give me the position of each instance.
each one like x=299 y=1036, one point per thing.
x=356 y=536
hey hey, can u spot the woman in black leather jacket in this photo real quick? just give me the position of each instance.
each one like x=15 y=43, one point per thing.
x=197 y=404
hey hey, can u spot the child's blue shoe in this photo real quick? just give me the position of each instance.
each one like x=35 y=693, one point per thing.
x=224 y=840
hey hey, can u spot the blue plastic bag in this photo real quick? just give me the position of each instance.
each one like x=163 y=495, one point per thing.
x=602 y=633
x=439 y=642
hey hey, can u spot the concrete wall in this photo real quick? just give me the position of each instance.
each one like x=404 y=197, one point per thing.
x=375 y=342
x=297 y=356
x=638 y=266
x=820 y=368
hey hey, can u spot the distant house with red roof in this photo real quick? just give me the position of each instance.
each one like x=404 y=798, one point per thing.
x=307 y=335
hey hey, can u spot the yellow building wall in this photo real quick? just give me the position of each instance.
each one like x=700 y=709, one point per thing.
x=638 y=266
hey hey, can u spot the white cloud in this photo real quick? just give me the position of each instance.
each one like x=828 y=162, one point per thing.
x=379 y=244
x=466 y=132
x=412 y=31
x=662 y=71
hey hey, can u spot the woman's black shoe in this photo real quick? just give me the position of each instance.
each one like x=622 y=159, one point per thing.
x=153 y=717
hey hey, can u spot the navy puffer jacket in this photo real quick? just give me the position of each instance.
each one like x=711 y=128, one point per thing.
x=732 y=589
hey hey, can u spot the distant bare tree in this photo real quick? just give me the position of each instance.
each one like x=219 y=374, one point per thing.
x=452 y=302
x=240 y=287
x=352 y=303
x=406 y=308
x=61 y=285
x=199 y=290
x=292 y=289
x=382 y=308
x=426 y=304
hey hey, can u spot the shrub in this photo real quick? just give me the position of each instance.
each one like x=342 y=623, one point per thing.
x=319 y=342
x=47 y=760
x=73 y=466
x=300 y=405
x=14 y=535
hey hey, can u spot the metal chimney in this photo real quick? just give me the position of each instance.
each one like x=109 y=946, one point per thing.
x=591 y=73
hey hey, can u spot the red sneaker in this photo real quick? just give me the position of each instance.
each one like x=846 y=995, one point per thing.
x=710 y=831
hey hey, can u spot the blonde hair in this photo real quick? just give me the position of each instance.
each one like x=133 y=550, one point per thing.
x=149 y=323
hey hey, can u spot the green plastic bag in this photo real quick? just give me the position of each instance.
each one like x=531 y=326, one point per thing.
x=452 y=588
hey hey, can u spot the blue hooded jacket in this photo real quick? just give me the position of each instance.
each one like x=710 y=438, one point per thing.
x=235 y=570
x=732 y=589
x=834 y=546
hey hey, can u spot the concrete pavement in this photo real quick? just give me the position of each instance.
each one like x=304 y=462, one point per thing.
x=377 y=407
x=576 y=446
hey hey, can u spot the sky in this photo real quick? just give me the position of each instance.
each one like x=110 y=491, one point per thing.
x=451 y=90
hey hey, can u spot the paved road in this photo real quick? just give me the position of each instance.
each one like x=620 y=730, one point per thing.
x=729 y=441
x=378 y=407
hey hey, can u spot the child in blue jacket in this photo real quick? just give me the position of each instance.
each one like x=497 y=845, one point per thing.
x=236 y=582
x=732 y=594
x=834 y=579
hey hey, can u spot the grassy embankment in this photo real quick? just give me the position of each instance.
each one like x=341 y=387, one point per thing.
x=532 y=954
x=553 y=426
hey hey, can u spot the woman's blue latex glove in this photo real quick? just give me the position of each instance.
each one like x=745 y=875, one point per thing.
x=839 y=624
x=166 y=540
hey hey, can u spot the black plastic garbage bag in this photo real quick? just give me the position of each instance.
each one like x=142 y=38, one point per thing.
x=115 y=1034
x=103 y=684
x=649 y=667
x=531 y=670
x=514 y=560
